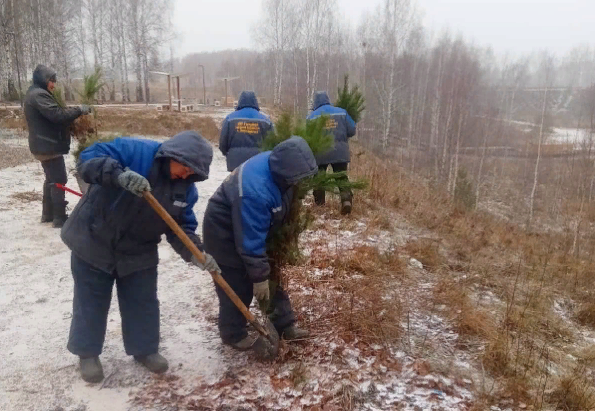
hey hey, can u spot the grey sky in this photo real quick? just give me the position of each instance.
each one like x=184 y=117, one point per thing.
x=508 y=25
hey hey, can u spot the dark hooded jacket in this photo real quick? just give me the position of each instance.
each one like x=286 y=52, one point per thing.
x=243 y=130
x=112 y=229
x=252 y=201
x=339 y=123
x=48 y=123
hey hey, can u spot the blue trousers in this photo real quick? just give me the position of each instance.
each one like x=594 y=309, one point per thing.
x=232 y=323
x=139 y=309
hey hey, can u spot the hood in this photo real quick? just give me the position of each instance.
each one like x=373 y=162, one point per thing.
x=190 y=149
x=292 y=161
x=320 y=99
x=42 y=74
x=248 y=99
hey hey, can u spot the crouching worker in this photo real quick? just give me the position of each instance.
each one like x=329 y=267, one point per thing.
x=250 y=203
x=113 y=234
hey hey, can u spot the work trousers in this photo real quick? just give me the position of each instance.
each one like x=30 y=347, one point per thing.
x=54 y=203
x=232 y=323
x=139 y=309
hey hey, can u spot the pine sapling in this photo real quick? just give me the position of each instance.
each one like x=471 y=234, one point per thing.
x=352 y=100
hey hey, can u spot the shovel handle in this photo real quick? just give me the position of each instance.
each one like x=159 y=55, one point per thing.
x=200 y=257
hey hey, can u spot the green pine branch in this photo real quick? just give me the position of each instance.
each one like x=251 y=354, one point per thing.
x=352 y=100
x=314 y=132
x=92 y=84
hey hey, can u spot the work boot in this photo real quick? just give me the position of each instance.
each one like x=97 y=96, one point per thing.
x=91 y=369
x=294 y=333
x=60 y=215
x=47 y=213
x=319 y=197
x=346 y=203
x=154 y=362
x=58 y=221
x=244 y=344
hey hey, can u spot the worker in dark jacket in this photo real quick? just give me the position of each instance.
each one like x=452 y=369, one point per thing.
x=113 y=234
x=251 y=202
x=49 y=139
x=243 y=131
x=342 y=126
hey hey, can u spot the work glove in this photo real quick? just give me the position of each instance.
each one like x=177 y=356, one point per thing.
x=261 y=290
x=210 y=264
x=85 y=109
x=133 y=182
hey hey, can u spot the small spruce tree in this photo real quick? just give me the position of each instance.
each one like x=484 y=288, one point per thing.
x=84 y=126
x=352 y=100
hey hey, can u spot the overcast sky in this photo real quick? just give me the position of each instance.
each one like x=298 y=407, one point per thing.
x=507 y=25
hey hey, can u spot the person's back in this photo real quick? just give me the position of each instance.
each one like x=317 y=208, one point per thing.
x=339 y=123
x=243 y=131
x=342 y=126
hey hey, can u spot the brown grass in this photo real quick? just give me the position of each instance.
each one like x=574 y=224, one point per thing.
x=27 y=196
x=427 y=251
x=574 y=392
x=145 y=122
x=129 y=122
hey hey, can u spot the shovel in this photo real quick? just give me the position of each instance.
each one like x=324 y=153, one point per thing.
x=267 y=347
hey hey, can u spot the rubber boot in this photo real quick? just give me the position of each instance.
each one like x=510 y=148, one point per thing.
x=60 y=215
x=244 y=344
x=346 y=203
x=294 y=333
x=91 y=369
x=47 y=210
x=155 y=363
x=319 y=197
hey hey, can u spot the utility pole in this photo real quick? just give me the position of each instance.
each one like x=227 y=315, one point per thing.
x=146 y=78
x=204 y=90
x=169 y=91
x=16 y=57
x=179 y=98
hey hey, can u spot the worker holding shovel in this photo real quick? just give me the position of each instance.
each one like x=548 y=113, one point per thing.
x=113 y=234
x=242 y=213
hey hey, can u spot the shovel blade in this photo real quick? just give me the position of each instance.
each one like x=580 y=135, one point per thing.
x=267 y=348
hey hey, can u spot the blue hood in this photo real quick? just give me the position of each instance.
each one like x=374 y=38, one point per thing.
x=248 y=100
x=291 y=161
x=190 y=149
x=320 y=99
x=42 y=75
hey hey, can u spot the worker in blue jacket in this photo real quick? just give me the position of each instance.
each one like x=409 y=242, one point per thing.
x=248 y=206
x=113 y=234
x=243 y=131
x=342 y=126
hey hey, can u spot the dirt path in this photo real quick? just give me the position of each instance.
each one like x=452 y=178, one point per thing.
x=37 y=371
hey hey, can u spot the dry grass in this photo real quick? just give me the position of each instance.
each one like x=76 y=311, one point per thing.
x=27 y=196
x=574 y=391
x=129 y=122
x=148 y=122
x=525 y=271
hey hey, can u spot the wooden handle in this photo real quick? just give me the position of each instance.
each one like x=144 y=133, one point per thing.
x=201 y=258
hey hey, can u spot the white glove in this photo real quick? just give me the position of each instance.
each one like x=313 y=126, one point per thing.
x=133 y=182
x=210 y=264
x=261 y=290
